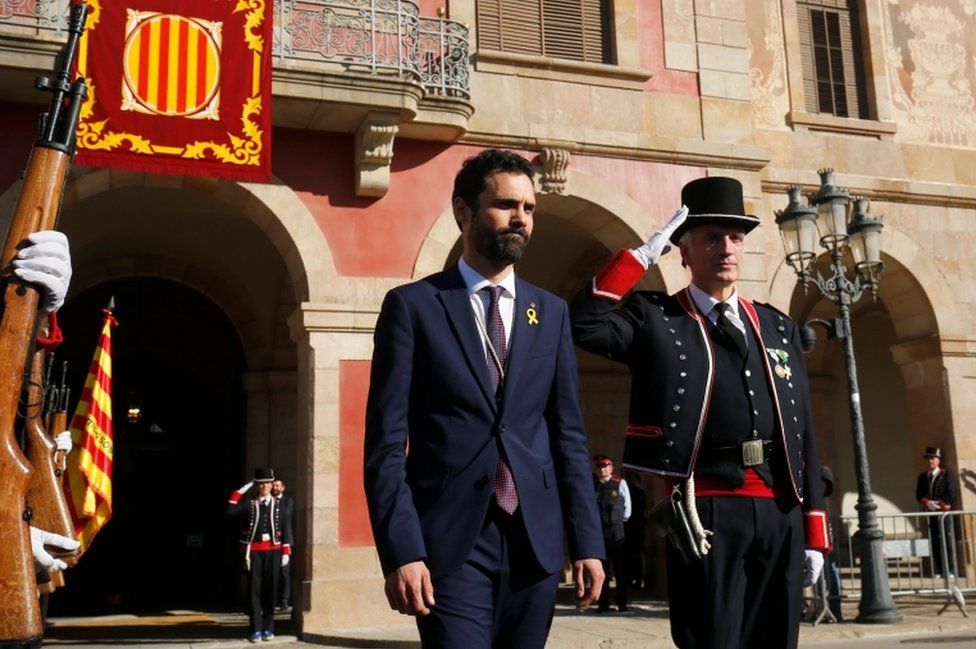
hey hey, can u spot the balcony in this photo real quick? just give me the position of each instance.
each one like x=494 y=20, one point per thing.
x=338 y=64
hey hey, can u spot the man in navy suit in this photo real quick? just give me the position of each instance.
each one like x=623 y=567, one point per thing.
x=476 y=458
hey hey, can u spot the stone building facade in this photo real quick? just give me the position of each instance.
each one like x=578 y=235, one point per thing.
x=363 y=161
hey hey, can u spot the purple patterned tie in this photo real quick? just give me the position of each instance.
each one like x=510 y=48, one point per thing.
x=504 y=484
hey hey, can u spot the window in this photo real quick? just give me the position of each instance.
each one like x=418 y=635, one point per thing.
x=833 y=77
x=578 y=30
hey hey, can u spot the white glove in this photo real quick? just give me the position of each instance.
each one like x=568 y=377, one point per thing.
x=657 y=245
x=63 y=441
x=812 y=567
x=244 y=489
x=46 y=262
x=933 y=505
x=40 y=538
x=285 y=558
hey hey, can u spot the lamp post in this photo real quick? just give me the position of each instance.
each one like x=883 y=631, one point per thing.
x=799 y=225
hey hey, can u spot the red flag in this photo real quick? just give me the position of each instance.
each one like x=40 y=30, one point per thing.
x=178 y=86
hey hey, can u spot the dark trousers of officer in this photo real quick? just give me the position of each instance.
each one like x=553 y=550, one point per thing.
x=940 y=528
x=499 y=598
x=617 y=557
x=286 y=584
x=263 y=578
x=747 y=592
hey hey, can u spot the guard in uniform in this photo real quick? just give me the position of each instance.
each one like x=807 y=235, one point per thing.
x=719 y=408
x=613 y=500
x=937 y=491
x=264 y=535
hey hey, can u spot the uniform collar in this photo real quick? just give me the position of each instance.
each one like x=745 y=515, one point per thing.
x=706 y=302
x=474 y=281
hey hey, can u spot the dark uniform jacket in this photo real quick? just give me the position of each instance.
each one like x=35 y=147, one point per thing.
x=248 y=510
x=665 y=341
x=611 y=504
x=942 y=488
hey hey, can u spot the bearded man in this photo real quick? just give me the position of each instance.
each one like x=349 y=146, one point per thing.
x=476 y=459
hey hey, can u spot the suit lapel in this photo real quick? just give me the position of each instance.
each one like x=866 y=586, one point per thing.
x=457 y=305
x=523 y=334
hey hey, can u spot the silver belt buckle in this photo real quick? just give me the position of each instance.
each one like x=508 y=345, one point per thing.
x=752 y=452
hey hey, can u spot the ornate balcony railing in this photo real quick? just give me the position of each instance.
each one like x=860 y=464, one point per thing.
x=381 y=37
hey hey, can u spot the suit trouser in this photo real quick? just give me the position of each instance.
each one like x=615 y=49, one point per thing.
x=617 y=552
x=747 y=591
x=498 y=598
x=263 y=578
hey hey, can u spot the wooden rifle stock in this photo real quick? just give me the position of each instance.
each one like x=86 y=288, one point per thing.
x=36 y=209
x=45 y=494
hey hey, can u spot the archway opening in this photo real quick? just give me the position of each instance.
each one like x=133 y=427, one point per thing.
x=178 y=414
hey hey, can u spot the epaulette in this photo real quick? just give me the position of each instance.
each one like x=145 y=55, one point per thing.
x=615 y=479
x=772 y=308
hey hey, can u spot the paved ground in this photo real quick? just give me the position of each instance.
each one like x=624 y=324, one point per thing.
x=645 y=626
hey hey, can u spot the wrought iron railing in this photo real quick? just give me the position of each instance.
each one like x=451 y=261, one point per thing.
x=380 y=37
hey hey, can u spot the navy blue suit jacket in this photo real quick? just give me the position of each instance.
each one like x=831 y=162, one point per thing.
x=433 y=429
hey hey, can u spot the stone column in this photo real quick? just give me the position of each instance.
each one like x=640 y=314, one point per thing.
x=340 y=586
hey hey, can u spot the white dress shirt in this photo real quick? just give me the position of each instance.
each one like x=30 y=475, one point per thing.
x=506 y=302
x=706 y=304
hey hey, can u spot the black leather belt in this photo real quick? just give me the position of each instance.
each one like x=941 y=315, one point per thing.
x=751 y=452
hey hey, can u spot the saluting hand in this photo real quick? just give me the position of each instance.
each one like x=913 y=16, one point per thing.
x=657 y=245
x=592 y=570
x=410 y=590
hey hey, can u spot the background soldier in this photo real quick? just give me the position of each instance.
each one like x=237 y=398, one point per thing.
x=613 y=500
x=264 y=531
x=936 y=491
x=288 y=513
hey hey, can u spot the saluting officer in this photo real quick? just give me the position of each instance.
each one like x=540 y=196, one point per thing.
x=613 y=500
x=719 y=404
x=265 y=536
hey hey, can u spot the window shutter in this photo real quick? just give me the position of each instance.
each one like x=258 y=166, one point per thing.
x=489 y=24
x=830 y=54
x=522 y=26
x=577 y=30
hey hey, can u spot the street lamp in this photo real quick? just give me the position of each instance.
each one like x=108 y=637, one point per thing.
x=828 y=212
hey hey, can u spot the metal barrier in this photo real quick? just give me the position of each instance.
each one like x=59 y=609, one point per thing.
x=370 y=36
x=925 y=552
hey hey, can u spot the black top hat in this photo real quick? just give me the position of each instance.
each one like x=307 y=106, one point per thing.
x=715 y=200
x=263 y=475
x=932 y=451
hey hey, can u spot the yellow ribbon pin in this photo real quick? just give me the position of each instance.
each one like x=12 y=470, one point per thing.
x=531 y=315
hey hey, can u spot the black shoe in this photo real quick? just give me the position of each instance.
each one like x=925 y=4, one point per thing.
x=602 y=609
x=622 y=608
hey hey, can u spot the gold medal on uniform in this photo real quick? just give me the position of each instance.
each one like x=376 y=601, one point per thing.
x=780 y=372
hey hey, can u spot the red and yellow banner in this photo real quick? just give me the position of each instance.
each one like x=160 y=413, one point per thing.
x=178 y=87
x=89 y=474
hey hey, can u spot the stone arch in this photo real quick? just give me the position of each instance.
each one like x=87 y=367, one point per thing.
x=900 y=366
x=200 y=279
x=273 y=207
x=603 y=211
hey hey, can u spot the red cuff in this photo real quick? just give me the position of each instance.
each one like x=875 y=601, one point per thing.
x=816 y=531
x=618 y=276
x=286 y=549
x=235 y=497
x=945 y=507
x=54 y=337
x=924 y=501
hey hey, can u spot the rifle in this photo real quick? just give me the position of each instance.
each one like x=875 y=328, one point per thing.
x=37 y=209
x=45 y=495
